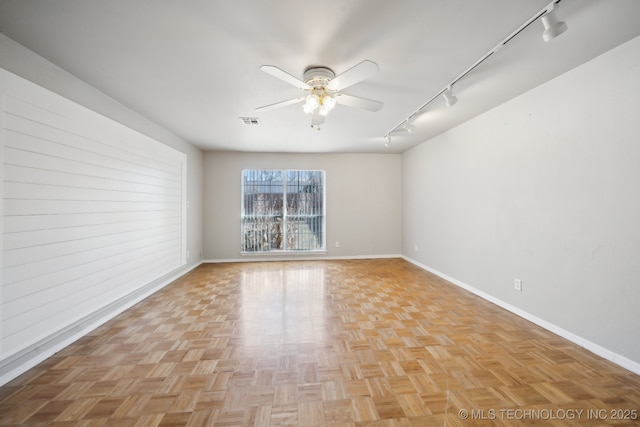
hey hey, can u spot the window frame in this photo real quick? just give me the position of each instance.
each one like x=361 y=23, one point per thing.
x=285 y=215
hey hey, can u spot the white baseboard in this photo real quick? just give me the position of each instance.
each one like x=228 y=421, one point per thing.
x=23 y=360
x=576 y=339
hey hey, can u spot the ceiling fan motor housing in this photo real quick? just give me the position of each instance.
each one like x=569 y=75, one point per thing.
x=318 y=76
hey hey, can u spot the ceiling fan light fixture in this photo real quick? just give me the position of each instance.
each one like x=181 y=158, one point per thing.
x=323 y=110
x=329 y=102
x=312 y=101
x=552 y=27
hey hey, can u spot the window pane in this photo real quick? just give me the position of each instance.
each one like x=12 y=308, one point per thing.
x=262 y=211
x=304 y=210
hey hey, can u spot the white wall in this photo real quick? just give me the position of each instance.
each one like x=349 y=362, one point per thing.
x=75 y=182
x=545 y=188
x=25 y=63
x=362 y=196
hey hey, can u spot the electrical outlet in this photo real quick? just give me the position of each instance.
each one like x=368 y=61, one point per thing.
x=517 y=285
x=337 y=244
x=415 y=248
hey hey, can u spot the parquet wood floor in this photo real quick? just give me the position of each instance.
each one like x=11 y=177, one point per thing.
x=320 y=343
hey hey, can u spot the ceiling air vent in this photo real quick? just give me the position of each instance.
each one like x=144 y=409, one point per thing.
x=251 y=121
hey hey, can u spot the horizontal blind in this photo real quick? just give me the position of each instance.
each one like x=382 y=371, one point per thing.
x=92 y=211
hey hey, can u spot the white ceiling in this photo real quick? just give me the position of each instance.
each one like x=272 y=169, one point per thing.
x=193 y=66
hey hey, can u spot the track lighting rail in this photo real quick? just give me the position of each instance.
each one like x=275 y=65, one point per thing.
x=548 y=9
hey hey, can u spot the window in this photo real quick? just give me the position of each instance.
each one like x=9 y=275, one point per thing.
x=282 y=210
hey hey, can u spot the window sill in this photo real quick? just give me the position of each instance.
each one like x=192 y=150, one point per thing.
x=279 y=253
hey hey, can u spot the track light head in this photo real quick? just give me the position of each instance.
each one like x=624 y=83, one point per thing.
x=552 y=27
x=449 y=97
x=408 y=126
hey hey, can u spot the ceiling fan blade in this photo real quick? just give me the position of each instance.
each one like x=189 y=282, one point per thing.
x=284 y=76
x=353 y=75
x=280 y=104
x=357 y=102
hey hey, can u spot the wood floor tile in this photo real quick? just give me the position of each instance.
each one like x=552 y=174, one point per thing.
x=317 y=343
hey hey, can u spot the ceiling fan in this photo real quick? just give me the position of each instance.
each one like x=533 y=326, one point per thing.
x=323 y=88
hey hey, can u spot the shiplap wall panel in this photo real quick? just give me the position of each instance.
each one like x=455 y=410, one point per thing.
x=114 y=242
x=92 y=275
x=83 y=250
x=111 y=288
x=31 y=271
x=74 y=286
x=29 y=223
x=43 y=161
x=92 y=211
